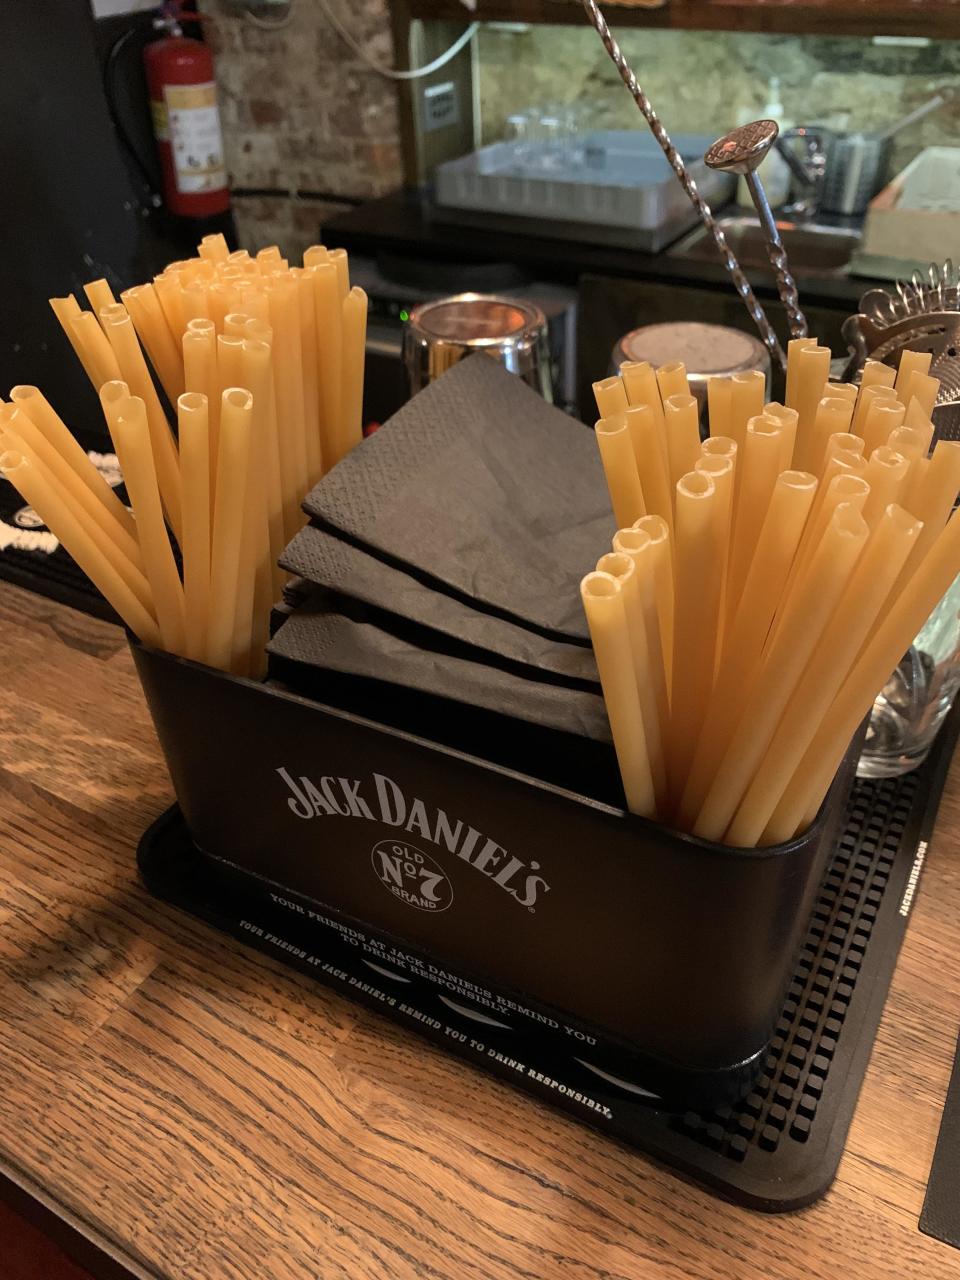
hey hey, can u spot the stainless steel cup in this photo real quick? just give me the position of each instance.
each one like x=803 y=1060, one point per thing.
x=439 y=334
x=707 y=350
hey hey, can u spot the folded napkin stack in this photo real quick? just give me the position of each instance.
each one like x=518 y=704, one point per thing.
x=442 y=565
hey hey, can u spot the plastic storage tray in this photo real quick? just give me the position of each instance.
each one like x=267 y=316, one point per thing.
x=612 y=179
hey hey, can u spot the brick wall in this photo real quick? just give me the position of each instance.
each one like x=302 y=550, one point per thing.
x=301 y=112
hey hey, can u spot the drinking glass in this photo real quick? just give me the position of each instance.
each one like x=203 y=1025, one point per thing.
x=910 y=708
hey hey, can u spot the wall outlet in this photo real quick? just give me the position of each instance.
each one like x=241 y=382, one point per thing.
x=440 y=106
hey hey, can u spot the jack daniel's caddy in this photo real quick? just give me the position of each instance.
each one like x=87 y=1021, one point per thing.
x=467 y=891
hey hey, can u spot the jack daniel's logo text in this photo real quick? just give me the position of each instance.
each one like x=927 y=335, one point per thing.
x=386 y=803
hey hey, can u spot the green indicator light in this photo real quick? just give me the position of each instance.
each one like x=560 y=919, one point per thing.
x=404 y=316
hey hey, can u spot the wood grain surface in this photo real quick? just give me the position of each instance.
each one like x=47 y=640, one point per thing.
x=203 y=1114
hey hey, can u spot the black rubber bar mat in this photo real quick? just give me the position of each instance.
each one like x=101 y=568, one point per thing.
x=779 y=1147
x=941 y=1205
x=31 y=557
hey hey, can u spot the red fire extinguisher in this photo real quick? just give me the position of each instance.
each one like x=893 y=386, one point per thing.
x=186 y=123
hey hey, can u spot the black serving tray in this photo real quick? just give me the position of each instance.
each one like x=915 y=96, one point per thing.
x=775 y=1148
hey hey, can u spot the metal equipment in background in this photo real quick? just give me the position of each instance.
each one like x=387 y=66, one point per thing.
x=440 y=334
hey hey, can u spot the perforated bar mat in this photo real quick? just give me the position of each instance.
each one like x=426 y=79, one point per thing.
x=779 y=1147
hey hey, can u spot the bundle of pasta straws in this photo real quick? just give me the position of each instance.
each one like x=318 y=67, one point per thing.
x=764 y=582
x=260 y=368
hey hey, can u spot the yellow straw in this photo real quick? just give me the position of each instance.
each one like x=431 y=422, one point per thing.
x=699 y=557
x=856 y=614
x=133 y=370
x=807 y=612
x=195 y=464
x=602 y=598
x=889 y=641
x=611 y=397
x=63 y=523
x=131 y=437
x=165 y=354
x=747 y=630
x=32 y=402
x=623 y=567
x=236 y=411
x=620 y=469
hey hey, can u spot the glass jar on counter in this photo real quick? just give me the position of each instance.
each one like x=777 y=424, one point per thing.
x=910 y=708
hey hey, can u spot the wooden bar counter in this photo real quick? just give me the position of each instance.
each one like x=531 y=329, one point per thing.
x=175 y=1107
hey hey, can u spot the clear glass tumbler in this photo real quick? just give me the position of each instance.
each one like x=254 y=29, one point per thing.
x=914 y=702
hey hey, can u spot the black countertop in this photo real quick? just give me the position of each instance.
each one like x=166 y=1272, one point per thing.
x=407 y=223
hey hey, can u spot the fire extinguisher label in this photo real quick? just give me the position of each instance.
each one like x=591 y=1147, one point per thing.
x=195 y=137
x=161 y=124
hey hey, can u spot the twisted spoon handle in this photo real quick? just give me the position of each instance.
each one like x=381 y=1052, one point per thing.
x=786 y=286
x=740 y=281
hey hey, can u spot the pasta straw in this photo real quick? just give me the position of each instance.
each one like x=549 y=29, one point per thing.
x=33 y=443
x=720 y=407
x=646 y=436
x=882 y=418
x=603 y=604
x=311 y=375
x=776 y=547
x=354 y=330
x=100 y=535
x=661 y=554
x=869 y=396
x=672 y=380
x=640 y=382
x=31 y=401
x=682 y=427
x=885 y=474
x=813 y=369
x=759 y=466
x=68 y=529
x=747 y=393
x=832 y=417
x=611 y=397
x=66 y=310
x=133 y=370
x=786 y=419
x=195 y=466
x=642 y=549
x=620 y=469
x=876 y=373
x=288 y=383
x=258 y=379
x=699 y=561
x=131 y=437
x=933 y=504
x=911 y=362
x=794 y=347
x=807 y=612
x=236 y=411
x=883 y=557
x=165 y=354
x=890 y=639
x=621 y=566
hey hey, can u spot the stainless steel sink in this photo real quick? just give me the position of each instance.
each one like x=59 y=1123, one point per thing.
x=814 y=249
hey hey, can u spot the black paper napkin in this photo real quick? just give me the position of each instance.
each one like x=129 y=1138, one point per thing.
x=329 y=561
x=482 y=488
x=330 y=633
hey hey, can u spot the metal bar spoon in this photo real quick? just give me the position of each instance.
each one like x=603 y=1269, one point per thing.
x=740 y=281
x=741 y=152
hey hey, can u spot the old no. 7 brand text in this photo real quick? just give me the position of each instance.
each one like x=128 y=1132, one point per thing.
x=383 y=801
